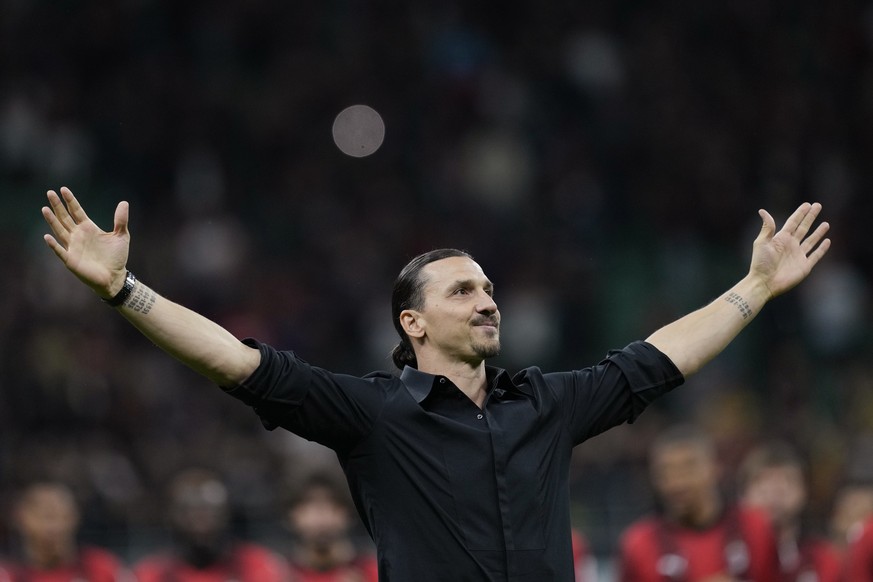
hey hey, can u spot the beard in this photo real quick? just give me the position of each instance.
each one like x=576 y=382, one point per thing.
x=489 y=346
x=487 y=349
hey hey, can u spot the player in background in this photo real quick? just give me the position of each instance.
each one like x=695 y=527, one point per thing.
x=698 y=535
x=45 y=517
x=773 y=478
x=320 y=517
x=204 y=548
x=852 y=507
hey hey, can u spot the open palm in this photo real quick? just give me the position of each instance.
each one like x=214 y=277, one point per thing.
x=785 y=258
x=96 y=257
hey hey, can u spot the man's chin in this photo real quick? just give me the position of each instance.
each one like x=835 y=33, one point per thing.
x=490 y=350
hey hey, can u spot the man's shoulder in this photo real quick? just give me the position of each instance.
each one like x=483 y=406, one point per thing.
x=382 y=376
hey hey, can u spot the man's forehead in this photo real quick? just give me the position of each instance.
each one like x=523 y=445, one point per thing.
x=454 y=269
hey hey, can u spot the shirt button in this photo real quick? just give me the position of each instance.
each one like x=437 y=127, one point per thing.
x=479 y=416
x=442 y=380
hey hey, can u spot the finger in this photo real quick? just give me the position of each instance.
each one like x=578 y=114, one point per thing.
x=54 y=245
x=76 y=210
x=796 y=217
x=812 y=240
x=768 y=226
x=60 y=210
x=808 y=220
x=819 y=252
x=57 y=228
x=122 y=216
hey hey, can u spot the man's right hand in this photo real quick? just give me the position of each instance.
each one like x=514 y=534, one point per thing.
x=96 y=257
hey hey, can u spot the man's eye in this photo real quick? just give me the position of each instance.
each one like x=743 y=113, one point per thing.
x=461 y=291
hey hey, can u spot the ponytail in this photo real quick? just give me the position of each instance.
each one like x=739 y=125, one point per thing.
x=403 y=355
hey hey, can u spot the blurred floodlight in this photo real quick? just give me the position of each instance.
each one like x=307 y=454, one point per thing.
x=358 y=131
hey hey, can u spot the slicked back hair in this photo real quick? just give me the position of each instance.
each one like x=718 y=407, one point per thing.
x=408 y=293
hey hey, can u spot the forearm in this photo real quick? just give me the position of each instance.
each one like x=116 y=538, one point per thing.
x=693 y=340
x=199 y=343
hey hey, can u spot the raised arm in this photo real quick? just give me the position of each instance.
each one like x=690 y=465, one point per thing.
x=780 y=260
x=99 y=259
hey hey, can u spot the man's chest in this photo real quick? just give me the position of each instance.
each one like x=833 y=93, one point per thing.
x=490 y=473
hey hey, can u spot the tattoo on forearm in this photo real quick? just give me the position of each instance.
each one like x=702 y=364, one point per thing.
x=142 y=299
x=742 y=304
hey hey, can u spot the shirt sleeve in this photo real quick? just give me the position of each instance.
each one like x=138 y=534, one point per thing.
x=335 y=410
x=616 y=390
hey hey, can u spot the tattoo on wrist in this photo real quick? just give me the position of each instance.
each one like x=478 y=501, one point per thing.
x=142 y=299
x=741 y=304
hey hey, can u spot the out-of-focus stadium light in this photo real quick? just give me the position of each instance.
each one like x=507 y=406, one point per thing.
x=358 y=131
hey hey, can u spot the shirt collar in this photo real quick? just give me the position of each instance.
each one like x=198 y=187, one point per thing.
x=420 y=384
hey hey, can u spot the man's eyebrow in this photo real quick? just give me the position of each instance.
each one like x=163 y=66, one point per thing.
x=461 y=283
x=471 y=283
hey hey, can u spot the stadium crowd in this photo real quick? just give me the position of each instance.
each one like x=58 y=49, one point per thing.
x=601 y=159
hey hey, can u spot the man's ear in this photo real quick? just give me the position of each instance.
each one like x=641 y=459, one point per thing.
x=410 y=321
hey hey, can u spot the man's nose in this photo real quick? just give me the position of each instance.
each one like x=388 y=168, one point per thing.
x=486 y=303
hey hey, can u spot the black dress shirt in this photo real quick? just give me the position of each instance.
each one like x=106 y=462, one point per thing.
x=448 y=491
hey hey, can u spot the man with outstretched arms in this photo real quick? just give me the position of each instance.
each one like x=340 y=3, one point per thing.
x=458 y=470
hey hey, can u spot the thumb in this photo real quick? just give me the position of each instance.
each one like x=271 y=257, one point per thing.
x=122 y=215
x=768 y=227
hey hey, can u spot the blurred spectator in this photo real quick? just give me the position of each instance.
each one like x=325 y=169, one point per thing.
x=321 y=518
x=773 y=478
x=853 y=506
x=204 y=548
x=46 y=519
x=698 y=534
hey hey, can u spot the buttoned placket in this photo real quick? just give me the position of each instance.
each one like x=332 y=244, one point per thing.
x=500 y=454
x=479 y=416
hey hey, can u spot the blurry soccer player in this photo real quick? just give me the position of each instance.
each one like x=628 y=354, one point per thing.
x=773 y=478
x=46 y=518
x=698 y=535
x=204 y=548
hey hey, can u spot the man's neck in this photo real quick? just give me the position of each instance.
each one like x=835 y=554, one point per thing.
x=469 y=377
